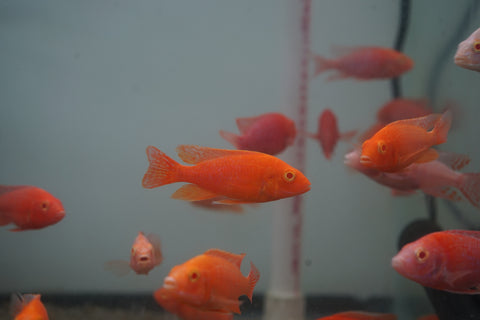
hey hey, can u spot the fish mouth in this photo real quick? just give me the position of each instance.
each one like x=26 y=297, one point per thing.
x=169 y=283
x=365 y=160
x=398 y=263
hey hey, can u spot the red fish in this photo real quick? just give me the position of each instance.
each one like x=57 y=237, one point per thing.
x=268 y=133
x=145 y=255
x=29 y=207
x=404 y=142
x=238 y=176
x=360 y=315
x=328 y=133
x=172 y=303
x=468 y=52
x=365 y=63
x=403 y=108
x=444 y=260
x=438 y=178
x=211 y=281
x=28 y=307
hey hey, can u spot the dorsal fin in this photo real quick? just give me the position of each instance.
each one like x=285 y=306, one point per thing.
x=7 y=189
x=467 y=233
x=244 y=124
x=426 y=122
x=236 y=259
x=195 y=154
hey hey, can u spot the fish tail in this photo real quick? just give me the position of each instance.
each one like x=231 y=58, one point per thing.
x=253 y=277
x=442 y=126
x=5 y=218
x=321 y=64
x=162 y=169
x=230 y=137
x=471 y=188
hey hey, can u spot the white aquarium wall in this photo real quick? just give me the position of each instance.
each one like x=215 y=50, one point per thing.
x=86 y=86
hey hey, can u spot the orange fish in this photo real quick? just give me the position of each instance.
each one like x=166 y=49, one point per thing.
x=443 y=260
x=328 y=133
x=238 y=176
x=211 y=281
x=145 y=255
x=171 y=302
x=365 y=63
x=360 y=315
x=29 y=207
x=28 y=307
x=268 y=133
x=404 y=142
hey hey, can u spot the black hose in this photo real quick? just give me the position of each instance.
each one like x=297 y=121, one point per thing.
x=403 y=23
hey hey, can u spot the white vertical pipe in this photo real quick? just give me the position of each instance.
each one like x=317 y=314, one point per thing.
x=284 y=299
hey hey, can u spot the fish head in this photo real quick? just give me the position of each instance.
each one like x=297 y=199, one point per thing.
x=378 y=153
x=284 y=182
x=45 y=210
x=421 y=261
x=142 y=258
x=189 y=283
x=468 y=52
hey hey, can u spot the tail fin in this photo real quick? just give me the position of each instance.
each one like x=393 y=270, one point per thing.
x=230 y=137
x=471 y=188
x=162 y=169
x=348 y=135
x=321 y=64
x=253 y=277
x=442 y=126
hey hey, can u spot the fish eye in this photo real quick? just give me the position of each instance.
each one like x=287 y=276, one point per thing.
x=193 y=276
x=476 y=46
x=289 y=176
x=382 y=147
x=421 y=254
x=44 y=205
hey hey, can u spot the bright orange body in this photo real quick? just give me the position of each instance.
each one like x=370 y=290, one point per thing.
x=237 y=176
x=29 y=207
x=404 y=142
x=30 y=307
x=211 y=282
x=360 y=315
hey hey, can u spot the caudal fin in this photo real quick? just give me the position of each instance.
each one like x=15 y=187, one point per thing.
x=470 y=188
x=230 y=137
x=442 y=126
x=162 y=169
x=321 y=64
x=253 y=277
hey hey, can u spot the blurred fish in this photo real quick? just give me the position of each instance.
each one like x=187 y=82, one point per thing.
x=468 y=52
x=27 y=307
x=404 y=142
x=173 y=304
x=268 y=133
x=365 y=63
x=403 y=108
x=238 y=176
x=444 y=260
x=429 y=317
x=145 y=255
x=438 y=178
x=360 y=315
x=328 y=134
x=211 y=281
x=29 y=207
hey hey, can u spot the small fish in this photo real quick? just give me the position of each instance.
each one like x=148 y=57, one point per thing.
x=211 y=281
x=438 y=178
x=238 y=176
x=173 y=304
x=328 y=134
x=145 y=255
x=29 y=207
x=365 y=63
x=403 y=108
x=360 y=315
x=468 y=52
x=444 y=260
x=403 y=142
x=269 y=133
x=27 y=307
